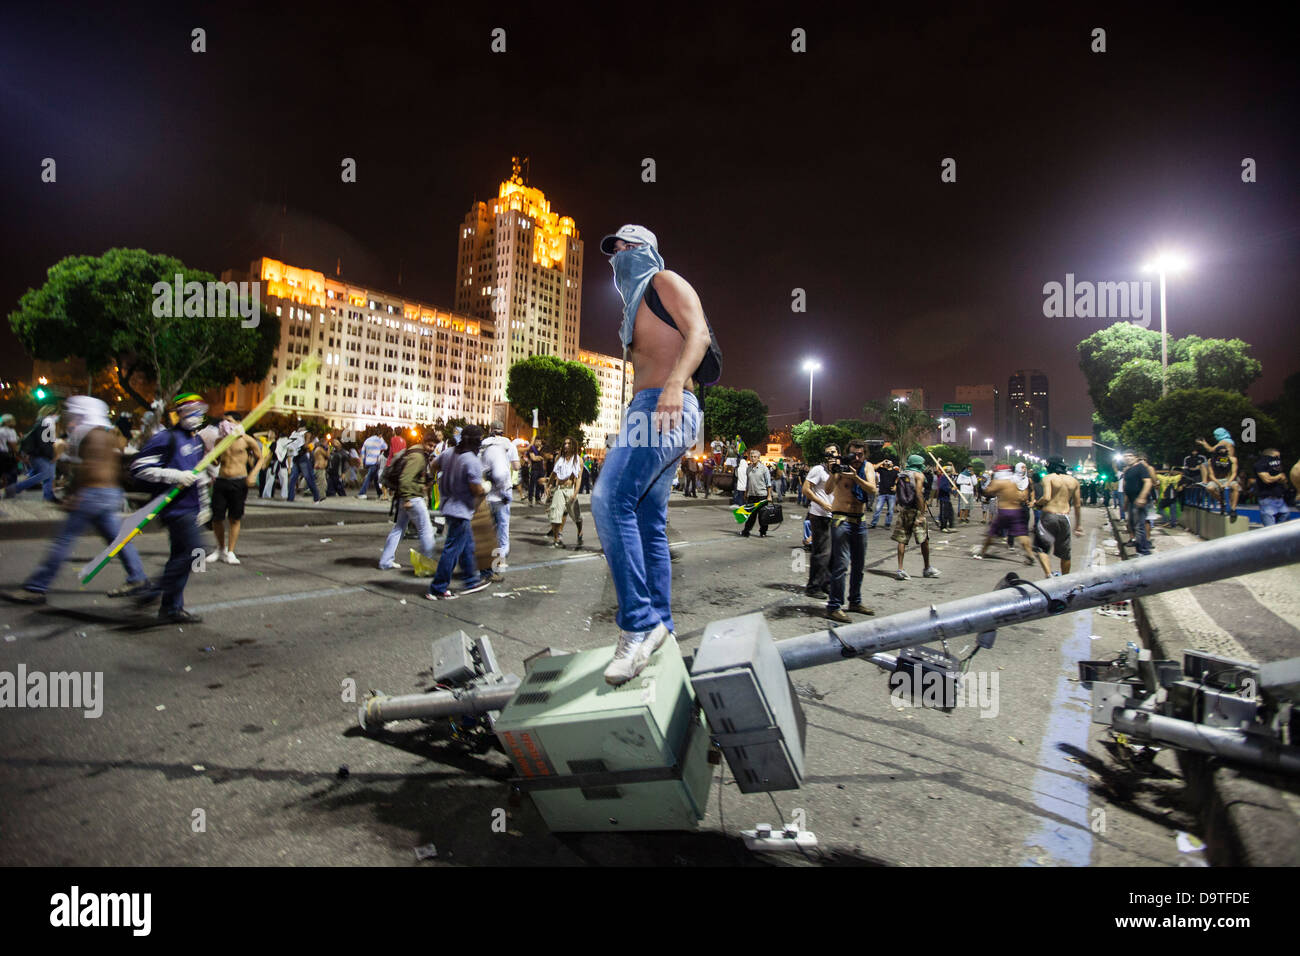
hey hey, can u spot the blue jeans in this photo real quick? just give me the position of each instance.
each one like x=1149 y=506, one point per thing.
x=630 y=508
x=419 y=513
x=886 y=502
x=1137 y=517
x=302 y=466
x=501 y=519
x=848 y=556
x=101 y=509
x=1270 y=509
x=372 y=474
x=42 y=473
x=457 y=547
x=186 y=546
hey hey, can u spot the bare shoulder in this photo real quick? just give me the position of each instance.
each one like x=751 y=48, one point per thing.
x=670 y=284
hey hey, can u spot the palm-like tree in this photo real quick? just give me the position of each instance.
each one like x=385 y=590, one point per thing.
x=899 y=423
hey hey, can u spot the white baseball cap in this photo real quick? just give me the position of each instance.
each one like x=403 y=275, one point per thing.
x=628 y=233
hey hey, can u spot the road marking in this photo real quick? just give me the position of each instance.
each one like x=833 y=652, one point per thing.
x=276 y=599
x=1058 y=789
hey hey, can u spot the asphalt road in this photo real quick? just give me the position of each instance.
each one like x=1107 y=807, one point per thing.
x=240 y=723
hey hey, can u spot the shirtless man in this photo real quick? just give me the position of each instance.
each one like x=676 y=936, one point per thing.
x=234 y=478
x=630 y=501
x=850 y=488
x=1052 y=536
x=1010 y=520
x=1221 y=469
x=95 y=501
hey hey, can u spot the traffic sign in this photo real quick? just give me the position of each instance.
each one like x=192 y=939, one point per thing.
x=957 y=408
x=1078 y=441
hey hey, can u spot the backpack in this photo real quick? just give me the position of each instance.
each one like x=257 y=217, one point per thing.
x=904 y=491
x=710 y=367
x=393 y=473
x=34 y=445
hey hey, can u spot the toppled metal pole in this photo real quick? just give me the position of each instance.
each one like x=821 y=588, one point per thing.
x=1212 y=561
x=378 y=710
x=1248 y=748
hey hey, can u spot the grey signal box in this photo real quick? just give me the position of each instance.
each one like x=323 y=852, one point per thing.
x=753 y=712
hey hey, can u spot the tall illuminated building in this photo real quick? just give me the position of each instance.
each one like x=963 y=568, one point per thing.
x=519 y=264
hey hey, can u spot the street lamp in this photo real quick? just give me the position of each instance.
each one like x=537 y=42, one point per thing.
x=1165 y=262
x=1009 y=447
x=811 y=366
x=970 y=442
x=988 y=444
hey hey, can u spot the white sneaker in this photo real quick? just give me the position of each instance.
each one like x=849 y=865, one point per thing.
x=652 y=643
x=901 y=575
x=930 y=573
x=633 y=653
x=390 y=566
x=230 y=558
x=215 y=556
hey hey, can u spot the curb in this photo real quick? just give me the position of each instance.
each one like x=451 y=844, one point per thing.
x=1249 y=817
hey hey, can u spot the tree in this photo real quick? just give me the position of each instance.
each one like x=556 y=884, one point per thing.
x=102 y=309
x=565 y=394
x=736 y=411
x=1122 y=367
x=812 y=439
x=1167 y=428
x=977 y=466
x=1225 y=364
x=899 y=423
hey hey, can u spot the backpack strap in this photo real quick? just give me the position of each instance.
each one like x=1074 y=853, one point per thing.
x=656 y=304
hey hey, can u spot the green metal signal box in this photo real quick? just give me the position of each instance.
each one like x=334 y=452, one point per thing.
x=600 y=758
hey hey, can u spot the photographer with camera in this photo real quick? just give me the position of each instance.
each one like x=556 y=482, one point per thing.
x=852 y=482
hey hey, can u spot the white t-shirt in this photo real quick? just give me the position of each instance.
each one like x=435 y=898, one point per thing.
x=8 y=439
x=819 y=477
x=568 y=468
x=965 y=483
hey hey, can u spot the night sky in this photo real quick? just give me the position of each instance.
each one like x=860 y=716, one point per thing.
x=776 y=170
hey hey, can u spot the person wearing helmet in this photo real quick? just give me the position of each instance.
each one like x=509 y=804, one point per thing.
x=168 y=459
x=94 y=500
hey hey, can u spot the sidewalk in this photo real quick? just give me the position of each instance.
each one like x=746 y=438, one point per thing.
x=1251 y=818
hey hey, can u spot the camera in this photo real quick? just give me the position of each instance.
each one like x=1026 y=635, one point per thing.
x=843 y=464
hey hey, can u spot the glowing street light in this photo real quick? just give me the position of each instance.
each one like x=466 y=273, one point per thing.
x=971 y=432
x=988 y=444
x=1165 y=262
x=811 y=366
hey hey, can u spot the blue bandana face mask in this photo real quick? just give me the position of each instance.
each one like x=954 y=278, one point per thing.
x=633 y=269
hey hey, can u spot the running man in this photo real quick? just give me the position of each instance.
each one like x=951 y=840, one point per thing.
x=1052 y=536
x=1010 y=521
x=630 y=501
x=94 y=501
x=169 y=458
